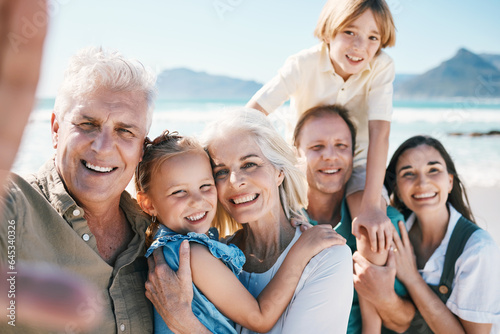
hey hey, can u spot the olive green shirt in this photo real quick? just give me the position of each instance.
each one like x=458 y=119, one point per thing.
x=50 y=227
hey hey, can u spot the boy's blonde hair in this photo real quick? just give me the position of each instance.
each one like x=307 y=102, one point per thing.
x=293 y=189
x=338 y=14
x=156 y=152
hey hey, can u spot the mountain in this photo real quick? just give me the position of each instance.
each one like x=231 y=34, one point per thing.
x=494 y=59
x=182 y=83
x=464 y=75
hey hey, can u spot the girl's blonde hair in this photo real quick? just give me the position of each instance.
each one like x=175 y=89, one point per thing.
x=156 y=152
x=338 y=14
x=293 y=189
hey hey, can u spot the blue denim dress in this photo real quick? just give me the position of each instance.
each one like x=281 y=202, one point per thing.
x=202 y=308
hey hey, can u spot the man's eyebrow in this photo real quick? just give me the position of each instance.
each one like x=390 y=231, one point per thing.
x=127 y=125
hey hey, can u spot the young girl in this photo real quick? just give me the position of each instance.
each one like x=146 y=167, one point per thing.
x=176 y=187
x=448 y=264
x=348 y=68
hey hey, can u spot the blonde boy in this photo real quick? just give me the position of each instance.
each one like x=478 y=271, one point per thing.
x=348 y=68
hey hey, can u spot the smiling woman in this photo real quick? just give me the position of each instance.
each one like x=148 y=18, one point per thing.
x=260 y=190
x=448 y=264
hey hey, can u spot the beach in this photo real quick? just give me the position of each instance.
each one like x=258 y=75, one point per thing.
x=485 y=203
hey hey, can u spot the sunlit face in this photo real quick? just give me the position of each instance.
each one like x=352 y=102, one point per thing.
x=355 y=46
x=326 y=144
x=423 y=182
x=99 y=143
x=247 y=183
x=182 y=193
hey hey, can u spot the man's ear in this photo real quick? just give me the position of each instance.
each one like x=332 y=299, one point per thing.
x=54 y=129
x=145 y=203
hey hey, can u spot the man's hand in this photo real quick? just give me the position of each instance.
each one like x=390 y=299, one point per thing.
x=172 y=292
x=376 y=284
x=378 y=227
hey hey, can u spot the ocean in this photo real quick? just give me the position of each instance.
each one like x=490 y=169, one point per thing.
x=477 y=158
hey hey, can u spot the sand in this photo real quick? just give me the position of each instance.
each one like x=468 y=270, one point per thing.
x=485 y=203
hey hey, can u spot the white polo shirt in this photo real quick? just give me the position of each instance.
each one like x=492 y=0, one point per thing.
x=308 y=79
x=476 y=293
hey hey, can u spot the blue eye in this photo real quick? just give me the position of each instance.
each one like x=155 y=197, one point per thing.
x=249 y=165
x=221 y=173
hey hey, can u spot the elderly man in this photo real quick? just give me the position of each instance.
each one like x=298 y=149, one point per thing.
x=75 y=213
x=325 y=137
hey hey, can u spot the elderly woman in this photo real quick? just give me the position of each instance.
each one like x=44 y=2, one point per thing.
x=260 y=190
x=448 y=264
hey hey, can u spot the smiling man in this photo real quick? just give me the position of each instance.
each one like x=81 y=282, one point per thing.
x=74 y=213
x=325 y=138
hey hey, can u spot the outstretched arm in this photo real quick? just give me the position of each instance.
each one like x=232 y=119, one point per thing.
x=20 y=58
x=172 y=292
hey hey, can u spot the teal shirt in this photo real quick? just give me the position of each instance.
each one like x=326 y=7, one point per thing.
x=344 y=228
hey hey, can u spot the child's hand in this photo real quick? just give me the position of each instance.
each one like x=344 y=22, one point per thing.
x=316 y=238
x=378 y=226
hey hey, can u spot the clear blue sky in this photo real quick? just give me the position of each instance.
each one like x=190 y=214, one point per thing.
x=251 y=39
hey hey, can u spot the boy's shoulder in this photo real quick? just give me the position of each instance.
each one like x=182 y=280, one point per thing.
x=311 y=53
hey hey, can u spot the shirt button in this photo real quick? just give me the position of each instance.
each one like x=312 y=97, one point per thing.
x=76 y=212
x=122 y=327
x=86 y=237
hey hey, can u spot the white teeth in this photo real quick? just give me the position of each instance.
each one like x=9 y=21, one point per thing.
x=244 y=199
x=354 y=58
x=98 y=168
x=330 y=171
x=426 y=195
x=196 y=217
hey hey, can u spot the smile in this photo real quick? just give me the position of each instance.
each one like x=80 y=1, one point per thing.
x=98 y=168
x=425 y=196
x=244 y=199
x=197 y=216
x=329 y=171
x=354 y=58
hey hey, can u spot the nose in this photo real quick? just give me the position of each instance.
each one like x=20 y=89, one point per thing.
x=329 y=153
x=236 y=179
x=421 y=180
x=358 y=42
x=103 y=141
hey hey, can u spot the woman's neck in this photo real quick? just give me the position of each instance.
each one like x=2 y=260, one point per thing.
x=264 y=240
x=428 y=232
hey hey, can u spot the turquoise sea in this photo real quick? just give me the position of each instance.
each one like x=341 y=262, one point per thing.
x=477 y=158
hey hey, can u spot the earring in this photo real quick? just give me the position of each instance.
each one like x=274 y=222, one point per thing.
x=153 y=218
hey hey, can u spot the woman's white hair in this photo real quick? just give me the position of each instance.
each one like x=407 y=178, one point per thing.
x=293 y=189
x=93 y=68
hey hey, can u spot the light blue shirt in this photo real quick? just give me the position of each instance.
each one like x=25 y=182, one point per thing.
x=202 y=308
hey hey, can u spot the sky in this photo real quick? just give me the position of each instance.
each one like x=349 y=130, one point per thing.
x=251 y=39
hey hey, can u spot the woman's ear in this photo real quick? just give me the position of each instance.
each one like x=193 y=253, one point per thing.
x=281 y=177
x=146 y=203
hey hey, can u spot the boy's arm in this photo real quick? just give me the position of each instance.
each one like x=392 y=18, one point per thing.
x=223 y=288
x=376 y=284
x=371 y=215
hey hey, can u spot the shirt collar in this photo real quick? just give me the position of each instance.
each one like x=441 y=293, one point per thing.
x=452 y=222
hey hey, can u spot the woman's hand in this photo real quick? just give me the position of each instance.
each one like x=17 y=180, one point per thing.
x=316 y=238
x=406 y=262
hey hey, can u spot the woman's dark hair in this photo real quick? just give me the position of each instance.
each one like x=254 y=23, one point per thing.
x=457 y=197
